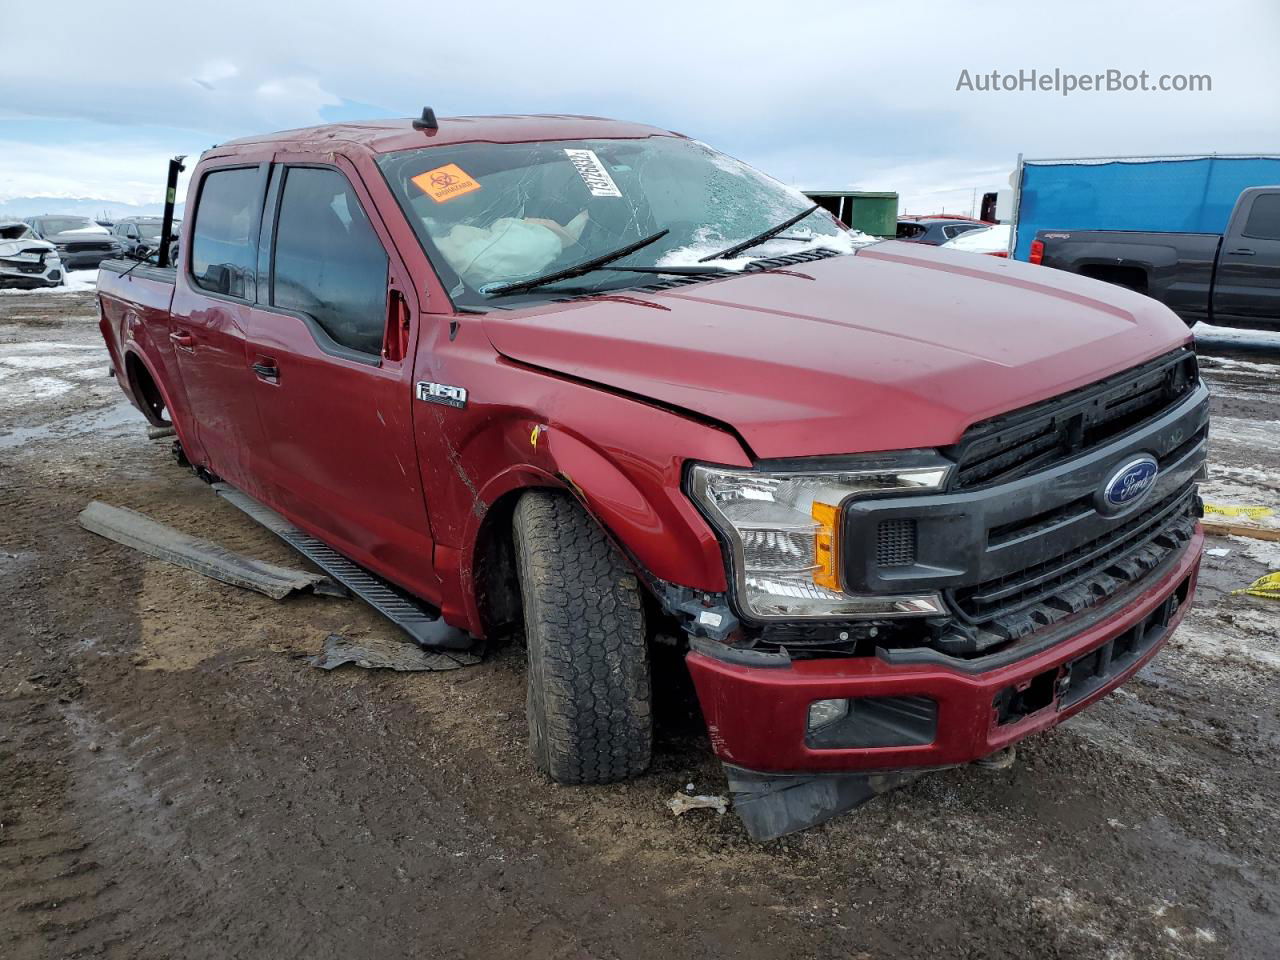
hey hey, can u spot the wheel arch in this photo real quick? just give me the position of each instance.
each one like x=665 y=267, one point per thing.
x=662 y=539
x=137 y=366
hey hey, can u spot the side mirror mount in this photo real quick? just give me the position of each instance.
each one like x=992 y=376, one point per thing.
x=218 y=278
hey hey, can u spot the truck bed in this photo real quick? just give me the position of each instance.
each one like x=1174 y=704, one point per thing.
x=138 y=296
x=141 y=271
x=1174 y=268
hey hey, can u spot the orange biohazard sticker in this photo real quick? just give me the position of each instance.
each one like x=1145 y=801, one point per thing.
x=444 y=183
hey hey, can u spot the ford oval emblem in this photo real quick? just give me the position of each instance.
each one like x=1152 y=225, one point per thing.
x=1129 y=484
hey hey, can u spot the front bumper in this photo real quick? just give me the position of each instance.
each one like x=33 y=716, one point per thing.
x=29 y=275
x=86 y=260
x=757 y=715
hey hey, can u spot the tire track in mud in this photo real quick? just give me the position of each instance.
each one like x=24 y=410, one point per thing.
x=51 y=882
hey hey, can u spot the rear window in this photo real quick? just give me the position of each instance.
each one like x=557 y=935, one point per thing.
x=223 y=250
x=1264 y=218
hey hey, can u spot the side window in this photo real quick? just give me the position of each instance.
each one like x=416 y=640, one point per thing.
x=1264 y=218
x=328 y=262
x=222 y=250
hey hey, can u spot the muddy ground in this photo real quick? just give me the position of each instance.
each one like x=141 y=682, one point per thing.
x=176 y=781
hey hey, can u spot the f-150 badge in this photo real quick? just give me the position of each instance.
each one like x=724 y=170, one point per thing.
x=442 y=393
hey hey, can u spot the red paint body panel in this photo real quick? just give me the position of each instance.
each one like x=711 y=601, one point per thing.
x=756 y=716
x=899 y=346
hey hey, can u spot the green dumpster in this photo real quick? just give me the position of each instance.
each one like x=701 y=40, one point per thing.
x=872 y=212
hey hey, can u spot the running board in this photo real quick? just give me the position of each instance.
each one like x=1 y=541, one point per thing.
x=419 y=620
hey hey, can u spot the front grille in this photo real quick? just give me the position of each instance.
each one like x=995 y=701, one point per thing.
x=896 y=543
x=1039 y=436
x=1015 y=605
x=87 y=247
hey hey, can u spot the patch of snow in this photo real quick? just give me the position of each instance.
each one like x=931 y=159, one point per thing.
x=1266 y=552
x=30 y=362
x=990 y=240
x=43 y=346
x=1235 y=334
x=706 y=243
x=97 y=372
x=19 y=393
x=76 y=281
x=1209 y=364
x=1246 y=475
x=1258 y=433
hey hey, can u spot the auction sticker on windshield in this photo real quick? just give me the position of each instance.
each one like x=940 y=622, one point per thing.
x=445 y=183
x=593 y=173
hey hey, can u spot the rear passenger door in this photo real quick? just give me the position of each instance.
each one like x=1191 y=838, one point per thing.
x=209 y=319
x=331 y=359
x=1246 y=288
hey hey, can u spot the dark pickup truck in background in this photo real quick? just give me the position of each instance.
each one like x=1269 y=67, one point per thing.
x=1229 y=279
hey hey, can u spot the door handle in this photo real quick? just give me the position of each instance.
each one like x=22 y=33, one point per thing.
x=267 y=371
x=183 y=340
x=1241 y=252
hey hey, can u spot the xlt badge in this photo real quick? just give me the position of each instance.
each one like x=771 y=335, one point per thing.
x=442 y=393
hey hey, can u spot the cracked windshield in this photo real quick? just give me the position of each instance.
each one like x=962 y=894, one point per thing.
x=494 y=217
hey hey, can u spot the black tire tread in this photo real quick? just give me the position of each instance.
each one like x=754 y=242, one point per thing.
x=589 y=697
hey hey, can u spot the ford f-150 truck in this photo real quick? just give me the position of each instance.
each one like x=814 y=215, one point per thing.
x=599 y=384
x=1230 y=279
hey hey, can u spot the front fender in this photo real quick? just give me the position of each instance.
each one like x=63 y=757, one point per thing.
x=650 y=518
x=666 y=535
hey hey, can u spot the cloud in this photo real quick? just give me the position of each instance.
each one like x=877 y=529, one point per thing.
x=214 y=72
x=118 y=172
x=825 y=93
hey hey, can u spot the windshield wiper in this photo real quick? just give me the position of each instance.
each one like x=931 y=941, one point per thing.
x=587 y=266
x=759 y=238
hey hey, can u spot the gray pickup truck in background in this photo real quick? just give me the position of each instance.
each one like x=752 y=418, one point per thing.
x=1230 y=279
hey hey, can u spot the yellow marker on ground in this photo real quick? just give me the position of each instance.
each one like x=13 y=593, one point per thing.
x=1266 y=586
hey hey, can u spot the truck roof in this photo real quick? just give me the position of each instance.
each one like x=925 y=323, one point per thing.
x=385 y=136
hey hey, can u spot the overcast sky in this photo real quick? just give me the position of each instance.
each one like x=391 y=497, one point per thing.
x=94 y=97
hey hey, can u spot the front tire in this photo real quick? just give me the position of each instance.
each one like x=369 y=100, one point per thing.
x=588 y=687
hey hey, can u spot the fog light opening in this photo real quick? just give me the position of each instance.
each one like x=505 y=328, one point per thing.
x=823 y=713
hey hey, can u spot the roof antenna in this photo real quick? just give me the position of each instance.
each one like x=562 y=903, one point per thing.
x=427 y=121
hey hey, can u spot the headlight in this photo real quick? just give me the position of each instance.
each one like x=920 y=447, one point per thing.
x=784 y=534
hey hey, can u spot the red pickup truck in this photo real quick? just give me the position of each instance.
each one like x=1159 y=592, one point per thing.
x=901 y=506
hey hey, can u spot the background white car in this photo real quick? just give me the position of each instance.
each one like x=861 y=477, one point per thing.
x=26 y=261
x=993 y=241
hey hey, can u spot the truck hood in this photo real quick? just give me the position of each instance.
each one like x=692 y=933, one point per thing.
x=81 y=235
x=893 y=347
